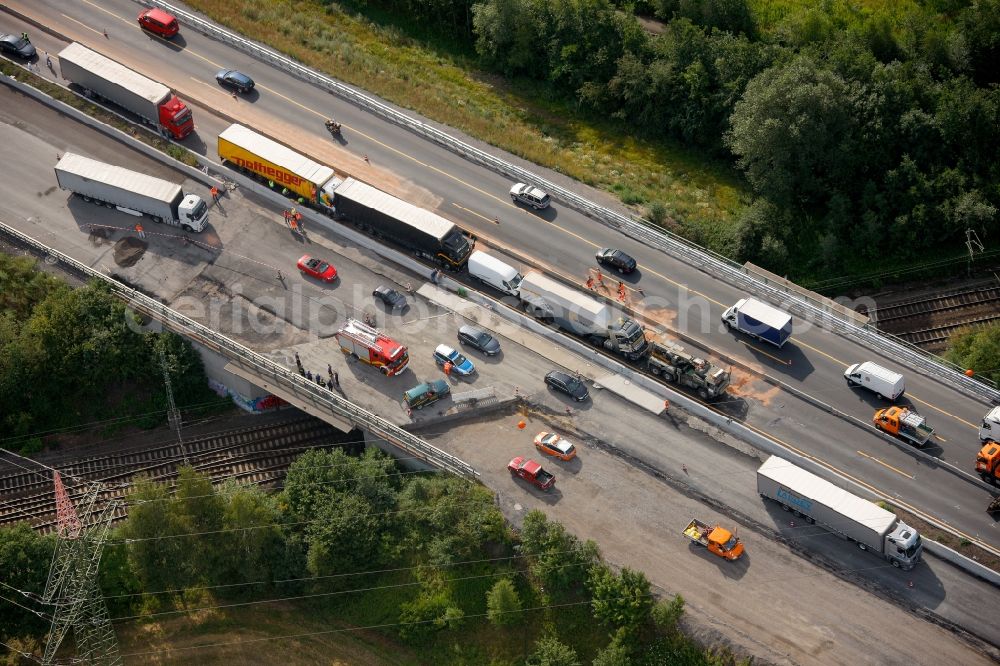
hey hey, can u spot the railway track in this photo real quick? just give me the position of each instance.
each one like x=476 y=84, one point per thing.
x=929 y=322
x=259 y=455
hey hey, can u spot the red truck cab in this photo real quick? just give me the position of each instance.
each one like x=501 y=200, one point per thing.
x=176 y=117
x=159 y=23
x=531 y=471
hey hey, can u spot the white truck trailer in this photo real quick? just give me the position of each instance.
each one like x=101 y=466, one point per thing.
x=819 y=501
x=131 y=192
x=574 y=311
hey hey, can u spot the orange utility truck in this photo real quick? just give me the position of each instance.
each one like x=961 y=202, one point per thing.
x=903 y=423
x=372 y=346
x=720 y=541
x=988 y=462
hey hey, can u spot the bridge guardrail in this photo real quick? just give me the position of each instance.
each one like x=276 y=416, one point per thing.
x=640 y=230
x=258 y=364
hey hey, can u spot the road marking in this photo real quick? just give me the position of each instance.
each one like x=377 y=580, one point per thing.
x=886 y=465
x=770 y=356
x=957 y=418
x=799 y=343
x=472 y=212
x=939 y=437
x=84 y=25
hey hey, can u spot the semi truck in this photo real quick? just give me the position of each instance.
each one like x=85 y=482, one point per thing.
x=582 y=315
x=759 y=320
x=903 y=423
x=372 y=346
x=107 y=79
x=426 y=234
x=674 y=364
x=988 y=463
x=818 y=501
x=131 y=192
x=718 y=540
x=254 y=153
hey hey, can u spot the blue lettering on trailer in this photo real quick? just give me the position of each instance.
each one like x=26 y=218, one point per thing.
x=800 y=502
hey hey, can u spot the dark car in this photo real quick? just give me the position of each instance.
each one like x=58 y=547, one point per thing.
x=17 y=45
x=616 y=259
x=479 y=339
x=426 y=393
x=390 y=297
x=159 y=22
x=230 y=78
x=568 y=384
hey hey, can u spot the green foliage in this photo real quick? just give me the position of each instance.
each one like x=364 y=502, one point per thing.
x=977 y=349
x=623 y=601
x=503 y=604
x=556 y=558
x=666 y=614
x=25 y=556
x=432 y=611
x=549 y=651
x=616 y=653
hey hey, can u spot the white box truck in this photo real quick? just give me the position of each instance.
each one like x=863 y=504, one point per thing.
x=495 y=273
x=819 y=501
x=574 y=311
x=990 y=429
x=759 y=320
x=131 y=192
x=881 y=381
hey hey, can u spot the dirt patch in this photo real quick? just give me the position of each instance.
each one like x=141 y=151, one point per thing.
x=746 y=385
x=129 y=250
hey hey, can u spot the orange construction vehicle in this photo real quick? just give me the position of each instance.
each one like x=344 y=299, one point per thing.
x=720 y=541
x=372 y=346
x=988 y=462
x=903 y=423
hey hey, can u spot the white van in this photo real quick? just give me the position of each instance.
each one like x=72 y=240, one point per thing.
x=991 y=426
x=881 y=381
x=495 y=273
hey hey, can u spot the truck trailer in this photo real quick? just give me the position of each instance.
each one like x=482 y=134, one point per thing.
x=675 y=365
x=131 y=192
x=116 y=83
x=870 y=526
x=274 y=163
x=759 y=320
x=580 y=314
x=424 y=233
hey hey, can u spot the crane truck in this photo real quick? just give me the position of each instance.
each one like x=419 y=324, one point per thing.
x=817 y=500
x=905 y=424
x=372 y=346
x=674 y=364
x=131 y=192
x=574 y=311
x=153 y=102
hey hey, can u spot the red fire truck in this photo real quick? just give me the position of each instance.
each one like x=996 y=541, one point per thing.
x=373 y=347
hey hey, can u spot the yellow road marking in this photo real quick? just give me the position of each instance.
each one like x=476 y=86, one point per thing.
x=761 y=351
x=886 y=465
x=83 y=25
x=472 y=212
x=939 y=437
x=957 y=418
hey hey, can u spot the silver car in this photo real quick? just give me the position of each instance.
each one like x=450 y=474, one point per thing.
x=529 y=195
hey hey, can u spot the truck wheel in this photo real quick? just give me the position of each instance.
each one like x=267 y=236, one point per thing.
x=186 y=227
x=655 y=371
x=785 y=507
x=895 y=563
x=157 y=219
x=862 y=546
x=880 y=396
x=669 y=377
x=86 y=198
x=703 y=394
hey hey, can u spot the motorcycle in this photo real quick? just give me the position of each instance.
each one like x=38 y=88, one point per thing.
x=333 y=127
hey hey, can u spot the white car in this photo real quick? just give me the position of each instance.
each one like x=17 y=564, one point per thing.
x=529 y=195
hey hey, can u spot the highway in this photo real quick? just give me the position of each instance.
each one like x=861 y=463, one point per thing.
x=565 y=241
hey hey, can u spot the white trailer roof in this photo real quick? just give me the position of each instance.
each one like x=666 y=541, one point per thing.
x=571 y=298
x=109 y=69
x=765 y=314
x=372 y=197
x=820 y=490
x=274 y=152
x=116 y=176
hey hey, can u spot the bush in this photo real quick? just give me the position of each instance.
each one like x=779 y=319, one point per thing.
x=549 y=651
x=667 y=614
x=503 y=606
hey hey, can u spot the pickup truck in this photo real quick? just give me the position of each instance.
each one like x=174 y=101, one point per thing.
x=720 y=541
x=903 y=423
x=531 y=471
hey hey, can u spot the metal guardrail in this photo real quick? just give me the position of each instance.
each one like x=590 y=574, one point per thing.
x=636 y=228
x=259 y=365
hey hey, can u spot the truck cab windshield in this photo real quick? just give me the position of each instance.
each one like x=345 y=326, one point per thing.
x=182 y=118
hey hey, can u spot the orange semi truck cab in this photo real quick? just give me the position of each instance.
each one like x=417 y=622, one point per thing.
x=718 y=540
x=988 y=462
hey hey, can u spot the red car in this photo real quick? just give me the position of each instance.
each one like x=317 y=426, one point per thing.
x=159 y=23
x=317 y=268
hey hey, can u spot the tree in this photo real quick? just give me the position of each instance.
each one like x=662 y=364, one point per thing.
x=254 y=548
x=791 y=132
x=614 y=654
x=431 y=611
x=549 y=651
x=556 y=558
x=622 y=601
x=345 y=536
x=503 y=606
x=25 y=556
x=977 y=349
x=666 y=614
